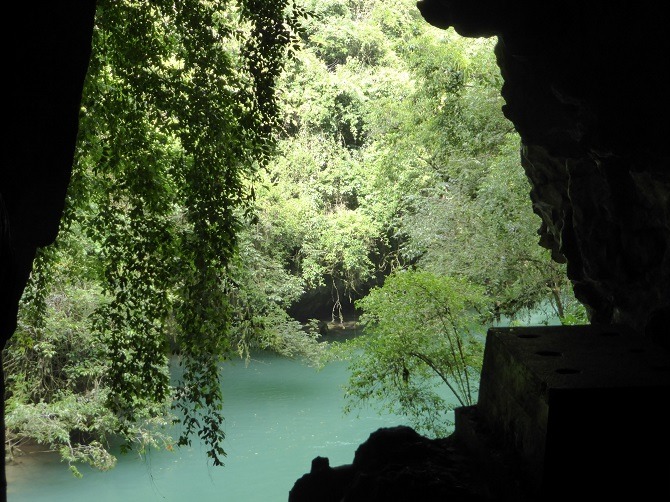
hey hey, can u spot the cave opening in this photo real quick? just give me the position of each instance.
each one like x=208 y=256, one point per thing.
x=582 y=89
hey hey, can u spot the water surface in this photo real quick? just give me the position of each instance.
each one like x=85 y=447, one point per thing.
x=279 y=414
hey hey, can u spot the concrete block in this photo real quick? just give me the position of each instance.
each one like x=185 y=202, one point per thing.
x=585 y=408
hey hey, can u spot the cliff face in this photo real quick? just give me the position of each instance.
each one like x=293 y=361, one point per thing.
x=48 y=48
x=583 y=88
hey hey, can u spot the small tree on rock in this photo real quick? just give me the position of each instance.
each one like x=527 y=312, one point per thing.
x=422 y=354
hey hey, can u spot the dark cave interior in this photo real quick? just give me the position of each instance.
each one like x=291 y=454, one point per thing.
x=584 y=88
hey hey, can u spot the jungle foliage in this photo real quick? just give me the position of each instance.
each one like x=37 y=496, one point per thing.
x=409 y=168
x=237 y=157
x=178 y=107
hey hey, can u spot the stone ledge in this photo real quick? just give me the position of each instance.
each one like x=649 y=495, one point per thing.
x=581 y=406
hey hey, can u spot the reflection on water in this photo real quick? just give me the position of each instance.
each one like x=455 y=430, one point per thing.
x=279 y=415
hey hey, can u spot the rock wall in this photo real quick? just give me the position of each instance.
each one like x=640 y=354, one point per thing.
x=583 y=87
x=394 y=464
x=48 y=46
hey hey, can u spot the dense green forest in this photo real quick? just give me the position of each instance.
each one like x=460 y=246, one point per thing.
x=241 y=162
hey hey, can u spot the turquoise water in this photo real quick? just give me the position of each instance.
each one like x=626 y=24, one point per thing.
x=279 y=414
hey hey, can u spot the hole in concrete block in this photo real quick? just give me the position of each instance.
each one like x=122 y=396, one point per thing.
x=528 y=335
x=548 y=353
x=567 y=371
x=609 y=333
x=665 y=368
x=636 y=350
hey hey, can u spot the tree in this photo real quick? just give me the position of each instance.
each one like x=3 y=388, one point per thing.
x=455 y=203
x=326 y=179
x=177 y=115
x=261 y=290
x=422 y=338
x=484 y=229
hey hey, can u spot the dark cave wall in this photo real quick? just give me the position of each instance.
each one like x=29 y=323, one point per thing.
x=49 y=46
x=584 y=88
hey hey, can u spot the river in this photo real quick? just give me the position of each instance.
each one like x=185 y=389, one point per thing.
x=280 y=414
